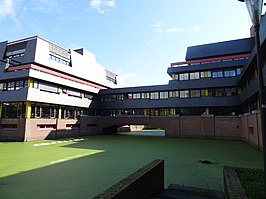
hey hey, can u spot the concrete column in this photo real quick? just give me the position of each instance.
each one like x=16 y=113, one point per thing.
x=145 y=112
x=30 y=83
x=173 y=76
x=173 y=111
x=1 y=109
x=28 y=109
x=207 y=111
x=206 y=92
x=60 y=112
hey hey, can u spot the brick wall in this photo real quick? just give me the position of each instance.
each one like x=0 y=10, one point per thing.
x=144 y=183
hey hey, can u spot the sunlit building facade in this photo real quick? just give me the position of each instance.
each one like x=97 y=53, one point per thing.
x=41 y=80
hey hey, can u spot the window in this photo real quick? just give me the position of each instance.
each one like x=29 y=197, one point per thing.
x=205 y=74
x=194 y=93
x=173 y=94
x=120 y=96
x=175 y=76
x=112 y=98
x=163 y=95
x=183 y=76
x=217 y=74
x=194 y=75
x=145 y=95
x=230 y=73
x=59 y=59
x=219 y=92
x=11 y=86
x=13 y=110
x=154 y=95
x=19 y=84
x=238 y=71
x=206 y=92
x=230 y=91
x=129 y=96
x=184 y=94
x=136 y=95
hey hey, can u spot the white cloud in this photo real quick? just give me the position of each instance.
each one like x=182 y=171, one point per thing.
x=102 y=5
x=6 y=8
x=126 y=79
x=167 y=29
x=46 y=6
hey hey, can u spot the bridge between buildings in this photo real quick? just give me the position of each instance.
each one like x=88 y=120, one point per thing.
x=205 y=126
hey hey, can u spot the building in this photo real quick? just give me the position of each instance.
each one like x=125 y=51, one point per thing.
x=212 y=94
x=206 y=83
x=44 y=86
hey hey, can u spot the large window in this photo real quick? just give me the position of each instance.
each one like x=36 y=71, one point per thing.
x=154 y=95
x=219 y=92
x=13 y=110
x=217 y=74
x=230 y=73
x=163 y=95
x=194 y=75
x=136 y=95
x=184 y=94
x=173 y=93
x=205 y=74
x=194 y=93
x=183 y=76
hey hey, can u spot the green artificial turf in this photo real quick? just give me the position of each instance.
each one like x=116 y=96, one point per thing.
x=83 y=168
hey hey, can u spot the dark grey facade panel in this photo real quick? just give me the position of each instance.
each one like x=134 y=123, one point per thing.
x=207 y=66
x=220 y=49
x=30 y=52
x=249 y=91
x=2 y=49
x=14 y=96
x=168 y=103
x=13 y=75
x=134 y=89
x=203 y=83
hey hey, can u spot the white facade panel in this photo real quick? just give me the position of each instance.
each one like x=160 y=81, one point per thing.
x=61 y=81
x=36 y=95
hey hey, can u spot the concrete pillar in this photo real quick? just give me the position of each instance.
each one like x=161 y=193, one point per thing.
x=145 y=112
x=30 y=83
x=173 y=76
x=60 y=112
x=1 y=109
x=207 y=111
x=173 y=111
x=28 y=109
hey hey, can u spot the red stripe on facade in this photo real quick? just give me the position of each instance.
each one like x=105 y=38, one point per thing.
x=55 y=73
x=211 y=59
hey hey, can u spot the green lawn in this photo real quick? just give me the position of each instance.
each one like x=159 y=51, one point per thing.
x=82 y=168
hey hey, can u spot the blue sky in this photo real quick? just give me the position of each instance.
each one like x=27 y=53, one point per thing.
x=137 y=39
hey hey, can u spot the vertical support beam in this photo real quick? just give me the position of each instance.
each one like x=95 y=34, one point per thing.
x=173 y=111
x=28 y=109
x=59 y=112
x=30 y=83
x=206 y=92
x=207 y=111
x=145 y=112
x=1 y=108
x=173 y=76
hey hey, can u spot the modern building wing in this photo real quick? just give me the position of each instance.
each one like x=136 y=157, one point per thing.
x=206 y=83
x=39 y=79
x=45 y=88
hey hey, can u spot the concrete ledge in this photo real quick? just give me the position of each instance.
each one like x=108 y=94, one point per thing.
x=144 y=183
x=232 y=184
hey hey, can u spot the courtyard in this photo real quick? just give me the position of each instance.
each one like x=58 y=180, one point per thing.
x=83 y=167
